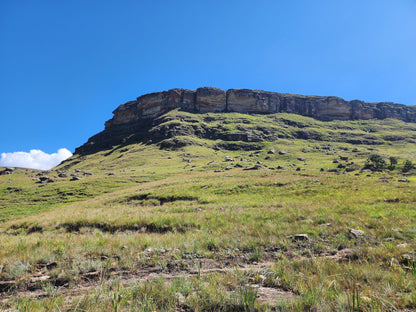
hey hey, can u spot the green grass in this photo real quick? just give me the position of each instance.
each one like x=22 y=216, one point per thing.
x=156 y=229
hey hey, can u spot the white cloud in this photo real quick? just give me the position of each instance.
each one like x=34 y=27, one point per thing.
x=35 y=159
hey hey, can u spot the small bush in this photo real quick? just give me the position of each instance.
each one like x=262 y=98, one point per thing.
x=407 y=166
x=375 y=162
x=393 y=163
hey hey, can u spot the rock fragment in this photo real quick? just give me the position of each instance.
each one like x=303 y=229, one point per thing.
x=357 y=233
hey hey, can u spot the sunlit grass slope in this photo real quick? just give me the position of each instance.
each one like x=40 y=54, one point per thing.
x=284 y=223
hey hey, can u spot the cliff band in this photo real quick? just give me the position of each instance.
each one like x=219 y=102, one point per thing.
x=208 y=99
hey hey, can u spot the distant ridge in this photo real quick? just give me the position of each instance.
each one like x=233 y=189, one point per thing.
x=209 y=99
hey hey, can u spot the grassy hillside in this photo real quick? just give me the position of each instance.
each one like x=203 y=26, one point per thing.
x=226 y=212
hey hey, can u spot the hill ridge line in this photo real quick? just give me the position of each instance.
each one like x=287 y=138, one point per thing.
x=249 y=101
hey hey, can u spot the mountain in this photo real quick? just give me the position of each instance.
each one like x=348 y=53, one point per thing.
x=149 y=119
x=189 y=202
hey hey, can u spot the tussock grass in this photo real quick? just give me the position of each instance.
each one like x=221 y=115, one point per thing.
x=218 y=239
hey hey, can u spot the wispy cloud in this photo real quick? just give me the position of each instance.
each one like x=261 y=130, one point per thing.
x=35 y=159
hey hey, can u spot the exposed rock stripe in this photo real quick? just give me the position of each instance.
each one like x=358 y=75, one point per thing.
x=210 y=99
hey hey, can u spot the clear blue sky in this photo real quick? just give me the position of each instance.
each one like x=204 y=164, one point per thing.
x=66 y=65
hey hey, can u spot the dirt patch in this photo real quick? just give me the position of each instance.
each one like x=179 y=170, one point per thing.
x=268 y=295
x=91 y=280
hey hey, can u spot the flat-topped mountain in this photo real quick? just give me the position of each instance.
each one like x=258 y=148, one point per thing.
x=173 y=117
x=210 y=99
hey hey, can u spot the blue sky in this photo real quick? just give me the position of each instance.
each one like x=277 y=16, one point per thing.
x=66 y=65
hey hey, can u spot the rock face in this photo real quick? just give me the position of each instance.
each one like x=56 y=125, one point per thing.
x=208 y=99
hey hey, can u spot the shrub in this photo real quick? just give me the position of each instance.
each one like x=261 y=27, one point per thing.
x=393 y=163
x=375 y=162
x=407 y=166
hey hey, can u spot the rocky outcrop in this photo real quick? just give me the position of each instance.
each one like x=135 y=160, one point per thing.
x=208 y=99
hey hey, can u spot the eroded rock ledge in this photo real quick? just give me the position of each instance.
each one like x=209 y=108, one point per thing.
x=249 y=101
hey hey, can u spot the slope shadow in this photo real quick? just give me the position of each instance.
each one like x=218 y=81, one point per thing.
x=118 y=136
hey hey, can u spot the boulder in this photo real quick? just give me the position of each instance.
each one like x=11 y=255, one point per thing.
x=336 y=170
x=12 y=189
x=228 y=158
x=7 y=171
x=357 y=233
x=43 y=178
x=300 y=237
x=344 y=255
x=256 y=167
x=403 y=180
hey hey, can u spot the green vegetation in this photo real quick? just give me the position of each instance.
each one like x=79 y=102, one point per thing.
x=186 y=228
x=393 y=163
x=407 y=166
x=375 y=162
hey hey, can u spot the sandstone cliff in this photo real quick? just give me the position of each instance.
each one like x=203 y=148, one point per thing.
x=208 y=99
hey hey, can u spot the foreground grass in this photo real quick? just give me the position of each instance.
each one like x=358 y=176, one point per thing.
x=174 y=230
